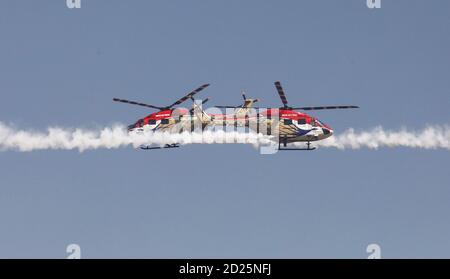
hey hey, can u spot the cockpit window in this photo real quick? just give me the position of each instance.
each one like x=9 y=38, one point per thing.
x=320 y=123
x=301 y=121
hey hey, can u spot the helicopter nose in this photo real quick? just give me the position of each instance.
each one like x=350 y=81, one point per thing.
x=327 y=132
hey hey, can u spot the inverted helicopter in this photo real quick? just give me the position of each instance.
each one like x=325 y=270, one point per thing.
x=288 y=124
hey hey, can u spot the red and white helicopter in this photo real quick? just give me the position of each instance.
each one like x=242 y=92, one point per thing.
x=287 y=124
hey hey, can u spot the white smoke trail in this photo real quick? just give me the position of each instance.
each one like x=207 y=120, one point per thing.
x=432 y=137
x=113 y=137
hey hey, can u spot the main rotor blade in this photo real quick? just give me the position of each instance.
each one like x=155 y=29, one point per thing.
x=228 y=106
x=135 y=103
x=188 y=96
x=326 y=107
x=236 y=107
x=205 y=100
x=281 y=93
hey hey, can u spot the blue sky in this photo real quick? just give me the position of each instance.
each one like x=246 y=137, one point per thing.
x=62 y=67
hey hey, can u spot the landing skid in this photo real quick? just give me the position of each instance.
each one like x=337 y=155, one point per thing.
x=298 y=149
x=174 y=145
x=282 y=146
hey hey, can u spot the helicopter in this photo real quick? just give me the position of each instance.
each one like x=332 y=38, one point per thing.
x=291 y=124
